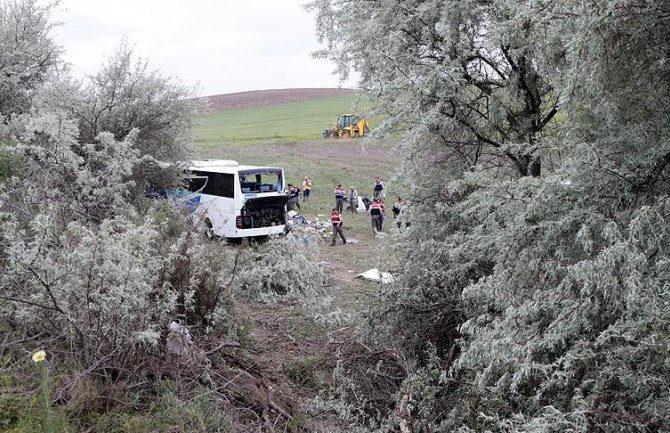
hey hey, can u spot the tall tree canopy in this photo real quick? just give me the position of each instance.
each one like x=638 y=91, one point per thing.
x=125 y=95
x=80 y=261
x=27 y=53
x=448 y=68
x=535 y=139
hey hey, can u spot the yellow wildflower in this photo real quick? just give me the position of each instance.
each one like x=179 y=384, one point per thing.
x=39 y=356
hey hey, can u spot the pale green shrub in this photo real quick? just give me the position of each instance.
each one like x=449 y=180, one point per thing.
x=282 y=268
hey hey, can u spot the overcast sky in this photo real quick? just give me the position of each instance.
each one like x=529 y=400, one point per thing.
x=223 y=46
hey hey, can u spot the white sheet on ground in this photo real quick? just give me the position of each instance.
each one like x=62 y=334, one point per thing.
x=375 y=275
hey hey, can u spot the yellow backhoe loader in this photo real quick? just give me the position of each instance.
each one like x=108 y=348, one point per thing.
x=348 y=126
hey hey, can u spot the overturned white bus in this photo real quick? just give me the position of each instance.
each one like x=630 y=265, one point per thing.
x=236 y=201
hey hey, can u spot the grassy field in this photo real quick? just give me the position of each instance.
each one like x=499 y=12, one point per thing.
x=328 y=162
x=289 y=136
x=288 y=122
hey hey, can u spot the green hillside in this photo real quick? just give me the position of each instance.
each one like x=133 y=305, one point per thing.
x=296 y=121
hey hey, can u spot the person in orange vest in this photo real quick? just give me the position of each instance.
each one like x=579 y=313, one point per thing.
x=306 y=188
x=336 y=221
x=376 y=215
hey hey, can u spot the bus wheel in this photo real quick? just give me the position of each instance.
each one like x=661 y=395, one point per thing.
x=208 y=229
x=235 y=241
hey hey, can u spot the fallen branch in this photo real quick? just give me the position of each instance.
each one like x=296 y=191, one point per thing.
x=221 y=346
x=275 y=406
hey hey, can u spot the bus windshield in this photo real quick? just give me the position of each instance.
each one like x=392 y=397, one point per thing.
x=261 y=180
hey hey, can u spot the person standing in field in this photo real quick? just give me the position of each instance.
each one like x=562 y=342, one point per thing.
x=353 y=200
x=336 y=221
x=339 y=198
x=398 y=208
x=293 y=197
x=378 y=188
x=306 y=188
x=376 y=215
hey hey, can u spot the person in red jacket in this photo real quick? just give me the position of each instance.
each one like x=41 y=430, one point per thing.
x=336 y=221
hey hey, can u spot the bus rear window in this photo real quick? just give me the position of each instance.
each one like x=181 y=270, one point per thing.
x=261 y=180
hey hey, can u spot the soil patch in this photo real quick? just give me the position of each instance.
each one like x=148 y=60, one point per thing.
x=287 y=354
x=261 y=98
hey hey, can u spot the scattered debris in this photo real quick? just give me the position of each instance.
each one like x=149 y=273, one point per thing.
x=375 y=275
x=179 y=339
x=299 y=219
x=309 y=238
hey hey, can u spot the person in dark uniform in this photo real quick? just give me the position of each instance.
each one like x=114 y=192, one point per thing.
x=376 y=215
x=378 y=188
x=339 y=198
x=293 y=197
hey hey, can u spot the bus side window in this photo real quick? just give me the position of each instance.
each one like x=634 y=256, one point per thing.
x=218 y=184
x=226 y=183
x=196 y=184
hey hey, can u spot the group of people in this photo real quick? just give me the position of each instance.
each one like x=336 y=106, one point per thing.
x=375 y=207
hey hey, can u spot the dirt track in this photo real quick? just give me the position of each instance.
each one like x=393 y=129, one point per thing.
x=286 y=350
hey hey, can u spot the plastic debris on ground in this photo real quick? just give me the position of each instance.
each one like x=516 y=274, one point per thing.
x=179 y=339
x=309 y=231
x=375 y=275
x=299 y=219
x=308 y=238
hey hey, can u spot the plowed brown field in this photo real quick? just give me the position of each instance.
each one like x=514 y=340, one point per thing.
x=260 y=98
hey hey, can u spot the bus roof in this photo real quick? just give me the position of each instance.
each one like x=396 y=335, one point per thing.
x=224 y=166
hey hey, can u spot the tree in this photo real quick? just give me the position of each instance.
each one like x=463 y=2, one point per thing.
x=87 y=182
x=27 y=53
x=125 y=95
x=79 y=261
x=463 y=74
x=584 y=346
x=544 y=297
